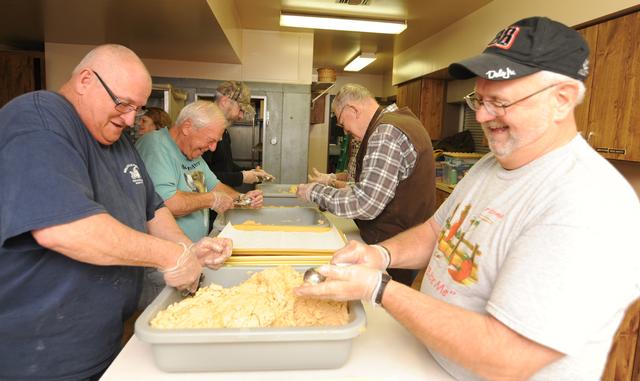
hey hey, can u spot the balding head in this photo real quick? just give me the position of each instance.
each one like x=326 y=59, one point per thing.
x=124 y=74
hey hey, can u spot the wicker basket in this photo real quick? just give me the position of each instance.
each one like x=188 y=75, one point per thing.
x=326 y=74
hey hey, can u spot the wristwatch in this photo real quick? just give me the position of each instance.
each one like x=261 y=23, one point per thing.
x=383 y=284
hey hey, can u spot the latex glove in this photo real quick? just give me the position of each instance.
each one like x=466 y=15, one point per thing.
x=212 y=252
x=304 y=191
x=186 y=273
x=249 y=177
x=358 y=253
x=344 y=283
x=221 y=202
x=322 y=178
x=263 y=175
x=256 y=197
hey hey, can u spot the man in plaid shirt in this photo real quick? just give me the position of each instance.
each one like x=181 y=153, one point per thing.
x=394 y=185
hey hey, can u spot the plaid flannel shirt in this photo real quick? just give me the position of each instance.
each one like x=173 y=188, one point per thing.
x=390 y=159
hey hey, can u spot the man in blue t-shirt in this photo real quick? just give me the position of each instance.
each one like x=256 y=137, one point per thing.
x=78 y=218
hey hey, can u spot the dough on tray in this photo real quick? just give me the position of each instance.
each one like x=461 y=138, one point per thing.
x=266 y=299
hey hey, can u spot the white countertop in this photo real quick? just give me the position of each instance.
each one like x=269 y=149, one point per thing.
x=385 y=351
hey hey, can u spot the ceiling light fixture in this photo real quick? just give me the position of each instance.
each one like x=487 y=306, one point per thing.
x=298 y=20
x=360 y=62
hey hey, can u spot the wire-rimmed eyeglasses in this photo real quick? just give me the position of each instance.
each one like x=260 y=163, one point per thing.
x=121 y=106
x=497 y=108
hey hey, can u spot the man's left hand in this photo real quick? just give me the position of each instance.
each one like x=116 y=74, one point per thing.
x=343 y=283
x=256 y=197
x=212 y=252
x=304 y=191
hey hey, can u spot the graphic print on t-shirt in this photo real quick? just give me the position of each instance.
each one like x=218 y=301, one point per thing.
x=456 y=252
x=195 y=181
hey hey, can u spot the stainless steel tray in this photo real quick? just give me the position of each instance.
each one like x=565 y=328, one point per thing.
x=277 y=190
x=243 y=349
x=276 y=215
x=287 y=201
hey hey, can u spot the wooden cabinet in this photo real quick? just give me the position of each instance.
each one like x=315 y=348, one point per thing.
x=624 y=357
x=409 y=95
x=317 y=110
x=425 y=97
x=613 y=117
x=431 y=106
x=22 y=72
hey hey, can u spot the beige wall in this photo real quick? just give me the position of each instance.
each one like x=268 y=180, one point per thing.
x=278 y=57
x=469 y=35
x=282 y=57
x=60 y=61
x=226 y=14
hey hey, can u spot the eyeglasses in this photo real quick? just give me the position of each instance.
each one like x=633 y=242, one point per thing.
x=121 y=106
x=338 y=123
x=496 y=108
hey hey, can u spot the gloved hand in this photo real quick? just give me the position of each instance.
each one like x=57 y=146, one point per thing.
x=221 y=202
x=263 y=175
x=253 y=176
x=358 y=253
x=186 y=273
x=212 y=252
x=304 y=191
x=322 y=178
x=344 y=283
x=249 y=177
x=256 y=197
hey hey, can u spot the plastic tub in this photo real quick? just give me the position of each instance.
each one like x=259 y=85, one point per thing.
x=246 y=349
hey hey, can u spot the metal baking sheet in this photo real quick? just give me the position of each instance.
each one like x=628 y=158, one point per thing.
x=280 y=216
x=246 y=349
x=277 y=190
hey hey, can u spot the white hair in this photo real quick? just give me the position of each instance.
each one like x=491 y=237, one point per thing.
x=551 y=77
x=351 y=93
x=201 y=113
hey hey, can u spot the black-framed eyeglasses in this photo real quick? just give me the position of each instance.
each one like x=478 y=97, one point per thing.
x=121 y=106
x=339 y=115
x=496 y=108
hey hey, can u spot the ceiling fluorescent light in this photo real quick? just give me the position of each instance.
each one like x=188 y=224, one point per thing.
x=360 y=62
x=338 y=23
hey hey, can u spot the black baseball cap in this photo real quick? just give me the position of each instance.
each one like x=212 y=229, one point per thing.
x=526 y=47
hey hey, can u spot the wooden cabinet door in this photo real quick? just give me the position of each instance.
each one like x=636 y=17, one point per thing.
x=614 y=115
x=623 y=357
x=409 y=94
x=19 y=75
x=590 y=34
x=432 y=106
x=317 y=110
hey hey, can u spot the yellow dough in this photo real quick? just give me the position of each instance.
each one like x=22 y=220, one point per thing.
x=266 y=299
x=257 y=226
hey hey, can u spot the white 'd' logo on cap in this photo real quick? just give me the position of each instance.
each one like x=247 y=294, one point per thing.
x=500 y=73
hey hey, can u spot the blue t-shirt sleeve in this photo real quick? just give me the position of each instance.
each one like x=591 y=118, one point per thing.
x=49 y=187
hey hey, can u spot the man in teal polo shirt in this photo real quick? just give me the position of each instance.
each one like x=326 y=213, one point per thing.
x=184 y=181
x=180 y=175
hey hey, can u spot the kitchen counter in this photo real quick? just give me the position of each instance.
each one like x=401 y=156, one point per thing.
x=384 y=351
